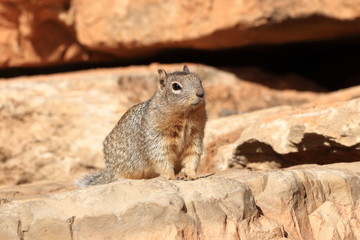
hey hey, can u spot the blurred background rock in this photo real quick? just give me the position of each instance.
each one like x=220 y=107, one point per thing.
x=316 y=40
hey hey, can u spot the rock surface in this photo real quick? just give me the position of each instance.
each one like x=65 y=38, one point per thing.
x=305 y=203
x=37 y=33
x=34 y=33
x=207 y=24
x=286 y=136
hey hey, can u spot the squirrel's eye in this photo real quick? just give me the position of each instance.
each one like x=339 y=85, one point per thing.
x=176 y=86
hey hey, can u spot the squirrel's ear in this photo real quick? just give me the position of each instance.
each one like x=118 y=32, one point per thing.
x=162 y=77
x=186 y=69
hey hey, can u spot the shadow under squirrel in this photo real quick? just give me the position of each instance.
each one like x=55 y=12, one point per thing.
x=159 y=137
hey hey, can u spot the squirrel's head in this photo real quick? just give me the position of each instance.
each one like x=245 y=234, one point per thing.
x=181 y=89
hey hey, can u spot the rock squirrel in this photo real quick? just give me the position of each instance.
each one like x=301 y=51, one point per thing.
x=159 y=137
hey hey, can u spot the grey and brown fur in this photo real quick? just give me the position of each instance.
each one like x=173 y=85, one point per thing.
x=159 y=137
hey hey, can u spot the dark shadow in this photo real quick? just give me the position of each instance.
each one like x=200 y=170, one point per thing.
x=313 y=149
x=333 y=64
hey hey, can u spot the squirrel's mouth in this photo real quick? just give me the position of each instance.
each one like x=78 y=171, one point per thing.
x=197 y=101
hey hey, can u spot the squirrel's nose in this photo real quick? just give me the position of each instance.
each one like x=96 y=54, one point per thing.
x=200 y=93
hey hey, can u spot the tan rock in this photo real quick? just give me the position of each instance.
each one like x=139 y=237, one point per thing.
x=323 y=134
x=329 y=226
x=261 y=228
x=36 y=33
x=305 y=203
x=138 y=26
x=134 y=210
x=286 y=136
x=294 y=199
x=54 y=32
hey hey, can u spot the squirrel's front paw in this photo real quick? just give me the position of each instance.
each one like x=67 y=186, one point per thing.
x=187 y=177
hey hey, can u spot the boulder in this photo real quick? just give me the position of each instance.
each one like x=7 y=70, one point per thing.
x=44 y=33
x=37 y=33
x=285 y=136
x=142 y=26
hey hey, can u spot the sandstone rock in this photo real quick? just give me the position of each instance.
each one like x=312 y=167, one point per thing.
x=147 y=25
x=25 y=191
x=316 y=187
x=36 y=33
x=286 y=136
x=52 y=127
x=323 y=134
x=53 y=32
x=134 y=210
x=305 y=203
x=328 y=226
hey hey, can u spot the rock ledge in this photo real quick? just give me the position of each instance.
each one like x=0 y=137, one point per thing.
x=299 y=203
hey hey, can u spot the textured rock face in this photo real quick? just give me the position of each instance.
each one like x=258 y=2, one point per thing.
x=53 y=32
x=168 y=210
x=37 y=33
x=319 y=135
x=286 y=136
x=317 y=203
x=205 y=24
x=297 y=199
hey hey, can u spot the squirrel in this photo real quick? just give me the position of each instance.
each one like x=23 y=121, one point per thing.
x=159 y=137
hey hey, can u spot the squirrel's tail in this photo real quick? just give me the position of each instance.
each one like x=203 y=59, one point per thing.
x=93 y=179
